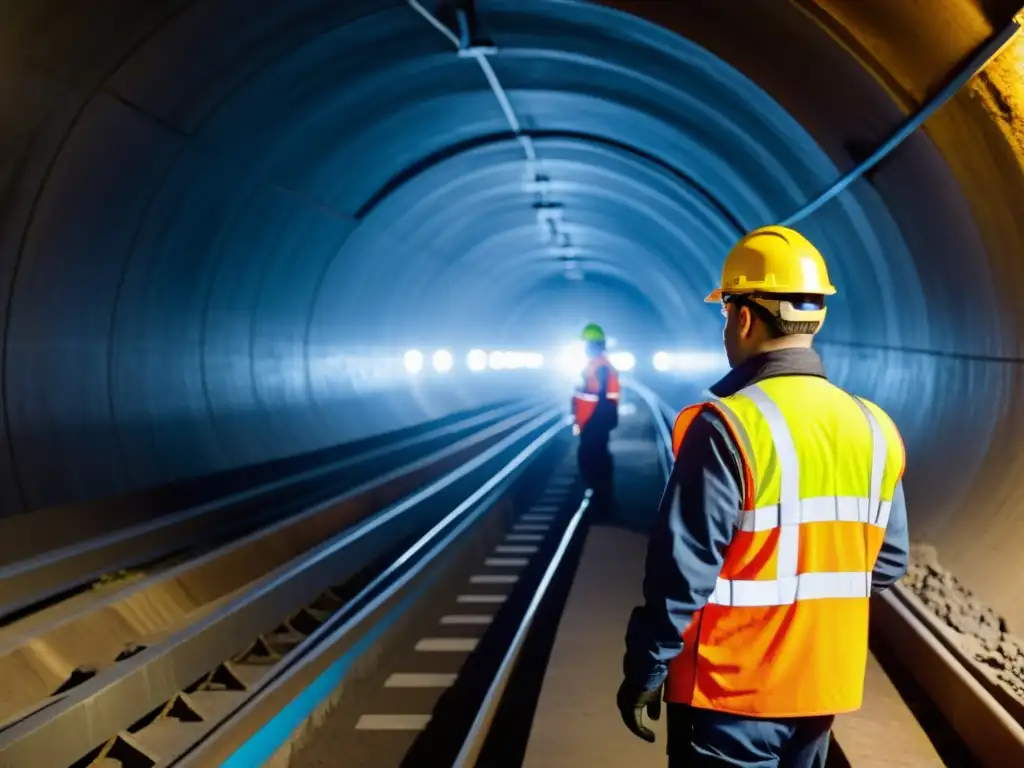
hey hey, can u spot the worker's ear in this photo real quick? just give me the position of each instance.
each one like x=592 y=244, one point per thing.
x=744 y=321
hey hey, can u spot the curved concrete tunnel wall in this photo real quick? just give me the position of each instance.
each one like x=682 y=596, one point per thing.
x=205 y=203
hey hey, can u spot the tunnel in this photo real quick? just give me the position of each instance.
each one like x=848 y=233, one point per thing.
x=223 y=221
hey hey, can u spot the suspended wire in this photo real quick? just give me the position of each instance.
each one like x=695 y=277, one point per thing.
x=977 y=63
x=492 y=78
x=433 y=21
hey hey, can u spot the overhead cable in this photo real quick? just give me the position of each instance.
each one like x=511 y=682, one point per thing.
x=988 y=51
x=464 y=48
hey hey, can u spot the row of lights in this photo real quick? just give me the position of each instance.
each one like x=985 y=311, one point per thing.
x=571 y=360
x=477 y=360
x=442 y=360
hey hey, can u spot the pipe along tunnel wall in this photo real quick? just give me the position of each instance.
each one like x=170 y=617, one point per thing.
x=205 y=205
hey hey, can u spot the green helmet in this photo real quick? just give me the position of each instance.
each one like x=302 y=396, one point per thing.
x=593 y=332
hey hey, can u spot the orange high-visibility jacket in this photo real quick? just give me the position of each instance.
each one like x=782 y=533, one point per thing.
x=584 y=401
x=785 y=632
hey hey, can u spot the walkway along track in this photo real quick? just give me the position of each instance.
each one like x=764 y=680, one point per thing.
x=988 y=721
x=40 y=577
x=241 y=603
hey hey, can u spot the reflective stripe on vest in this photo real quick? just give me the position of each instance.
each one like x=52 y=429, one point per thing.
x=791 y=512
x=784 y=633
x=586 y=397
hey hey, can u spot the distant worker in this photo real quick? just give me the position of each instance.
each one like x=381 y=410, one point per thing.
x=596 y=413
x=784 y=512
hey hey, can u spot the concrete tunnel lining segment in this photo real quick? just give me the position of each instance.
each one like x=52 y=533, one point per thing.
x=186 y=224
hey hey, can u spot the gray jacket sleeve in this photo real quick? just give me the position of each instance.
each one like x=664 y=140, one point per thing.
x=695 y=525
x=894 y=557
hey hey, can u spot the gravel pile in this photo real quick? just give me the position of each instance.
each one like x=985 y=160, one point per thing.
x=983 y=632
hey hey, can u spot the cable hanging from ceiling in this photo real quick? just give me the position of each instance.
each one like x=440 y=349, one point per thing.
x=550 y=213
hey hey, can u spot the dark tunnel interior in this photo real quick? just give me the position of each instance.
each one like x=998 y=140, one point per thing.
x=222 y=222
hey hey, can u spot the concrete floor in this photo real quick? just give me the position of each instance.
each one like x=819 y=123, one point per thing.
x=576 y=721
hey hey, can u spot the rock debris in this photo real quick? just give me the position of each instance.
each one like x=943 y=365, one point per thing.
x=983 y=632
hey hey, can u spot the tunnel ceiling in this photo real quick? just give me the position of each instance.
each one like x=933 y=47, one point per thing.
x=205 y=201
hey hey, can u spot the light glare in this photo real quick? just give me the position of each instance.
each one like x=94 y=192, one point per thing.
x=624 y=361
x=691 y=362
x=476 y=360
x=442 y=361
x=414 y=361
x=517 y=360
x=572 y=359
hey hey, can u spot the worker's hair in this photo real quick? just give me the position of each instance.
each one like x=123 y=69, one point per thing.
x=777 y=327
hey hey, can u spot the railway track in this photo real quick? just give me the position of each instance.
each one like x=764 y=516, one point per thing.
x=444 y=684
x=30 y=582
x=432 y=686
x=257 y=596
x=403 y=633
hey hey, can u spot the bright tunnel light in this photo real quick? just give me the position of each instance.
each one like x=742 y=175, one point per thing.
x=442 y=361
x=572 y=359
x=414 y=361
x=694 y=362
x=476 y=360
x=513 y=361
x=518 y=360
x=624 y=361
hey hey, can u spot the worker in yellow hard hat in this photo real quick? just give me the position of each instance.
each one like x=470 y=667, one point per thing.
x=784 y=512
x=595 y=414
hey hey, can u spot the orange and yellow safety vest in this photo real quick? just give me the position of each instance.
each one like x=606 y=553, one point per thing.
x=585 y=401
x=785 y=632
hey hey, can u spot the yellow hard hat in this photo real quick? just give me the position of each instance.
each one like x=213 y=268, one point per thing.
x=773 y=260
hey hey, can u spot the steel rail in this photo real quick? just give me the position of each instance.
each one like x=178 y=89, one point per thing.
x=33 y=580
x=478 y=731
x=476 y=737
x=115 y=699
x=366 y=616
x=100 y=630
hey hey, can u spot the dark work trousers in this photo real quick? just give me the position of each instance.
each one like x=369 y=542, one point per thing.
x=596 y=467
x=699 y=738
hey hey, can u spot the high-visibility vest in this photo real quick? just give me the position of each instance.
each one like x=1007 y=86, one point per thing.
x=585 y=400
x=785 y=632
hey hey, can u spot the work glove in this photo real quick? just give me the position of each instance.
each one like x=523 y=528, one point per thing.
x=632 y=704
